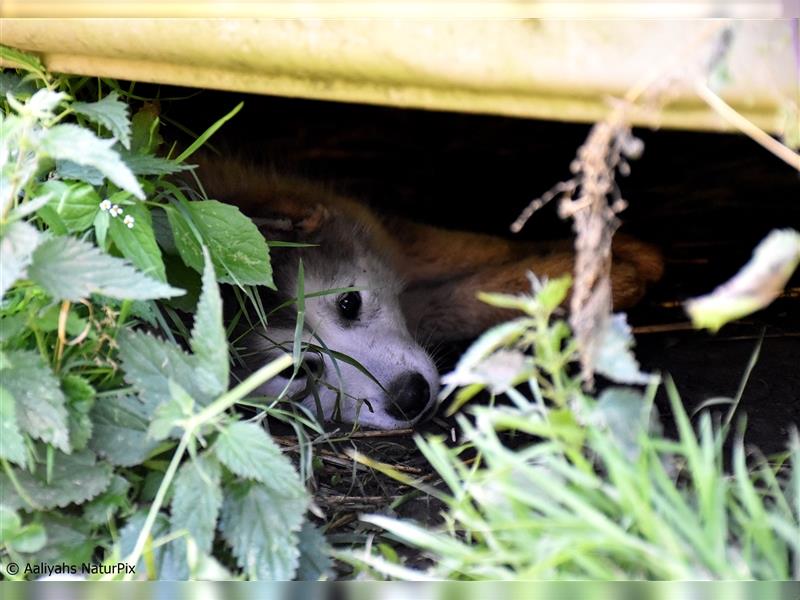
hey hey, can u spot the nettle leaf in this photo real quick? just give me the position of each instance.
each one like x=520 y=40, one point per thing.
x=247 y=450
x=138 y=243
x=72 y=269
x=111 y=113
x=315 y=560
x=39 y=401
x=76 y=204
x=145 y=164
x=12 y=444
x=75 y=478
x=260 y=528
x=66 y=169
x=168 y=415
x=149 y=363
x=238 y=250
x=16 y=253
x=615 y=359
x=130 y=533
x=81 y=146
x=23 y=60
x=196 y=501
x=119 y=431
x=100 y=510
x=209 y=342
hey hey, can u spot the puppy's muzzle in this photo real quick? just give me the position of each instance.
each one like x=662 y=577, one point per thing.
x=410 y=394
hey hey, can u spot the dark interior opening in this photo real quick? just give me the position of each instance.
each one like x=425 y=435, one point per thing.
x=705 y=198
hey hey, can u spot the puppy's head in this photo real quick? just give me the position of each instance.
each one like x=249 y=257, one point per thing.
x=361 y=364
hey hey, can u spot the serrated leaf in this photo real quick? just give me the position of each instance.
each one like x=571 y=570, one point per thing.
x=247 y=450
x=76 y=203
x=41 y=105
x=38 y=398
x=209 y=342
x=615 y=359
x=66 y=169
x=16 y=253
x=238 y=250
x=149 y=363
x=138 y=243
x=110 y=502
x=315 y=561
x=75 y=478
x=119 y=431
x=168 y=415
x=12 y=444
x=30 y=538
x=111 y=113
x=81 y=146
x=72 y=269
x=196 y=501
x=260 y=527
x=145 y=164
x=23 y=60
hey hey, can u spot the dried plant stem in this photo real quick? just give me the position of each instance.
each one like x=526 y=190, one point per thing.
x=758 y=135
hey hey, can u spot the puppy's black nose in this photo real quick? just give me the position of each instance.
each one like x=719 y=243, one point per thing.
x=410 y=393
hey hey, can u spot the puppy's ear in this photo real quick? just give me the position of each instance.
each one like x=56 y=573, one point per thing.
x=294 y=226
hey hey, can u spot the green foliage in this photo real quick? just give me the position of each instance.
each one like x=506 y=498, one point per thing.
x=597 y=492
x=102 y=423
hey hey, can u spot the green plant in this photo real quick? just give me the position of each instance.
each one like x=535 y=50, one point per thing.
x=568 y=486
x=104 y=427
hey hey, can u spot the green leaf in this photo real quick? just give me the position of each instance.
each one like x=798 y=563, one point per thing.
x=23 y=60
x=47 y=320
x=247 y=450
x=111 y=113
x=16 y=253
x=625 y=415
x=130 y=533
x=75 y=478
x=149 y=363
x=615 y=359
x=101 y=223
x=39 y=401
x=9 y=522
x=66 y=169
x=71 y=269
x=12 y=444
x=168 y=415
x=81 y=146
x=145 y=138
x=209 y=342
x=80 y=399
x=76 y=203
x=315 y=560
x=119 y=431
x=100 y=510
x=145 y=164
x=196 y=500
x=238 y=250
x=138 y=243
x=69 y=540
x=30 y=538
x=260 y=528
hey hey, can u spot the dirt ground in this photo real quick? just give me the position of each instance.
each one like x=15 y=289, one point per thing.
x=705 y=199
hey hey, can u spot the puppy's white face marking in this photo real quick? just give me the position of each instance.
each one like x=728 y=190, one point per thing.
x=400 y=385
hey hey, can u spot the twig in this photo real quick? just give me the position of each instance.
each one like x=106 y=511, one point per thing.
x=724 y=110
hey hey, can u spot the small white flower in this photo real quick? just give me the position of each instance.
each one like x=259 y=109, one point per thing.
x=105 y=204
x=129 y=221
x=115 y=210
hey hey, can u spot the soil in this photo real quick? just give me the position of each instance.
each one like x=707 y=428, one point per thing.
x=706 y=199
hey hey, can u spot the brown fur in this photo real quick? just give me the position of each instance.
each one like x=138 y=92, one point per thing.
x=443 y=269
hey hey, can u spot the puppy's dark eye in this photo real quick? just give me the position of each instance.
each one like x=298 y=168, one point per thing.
x=349 y=305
